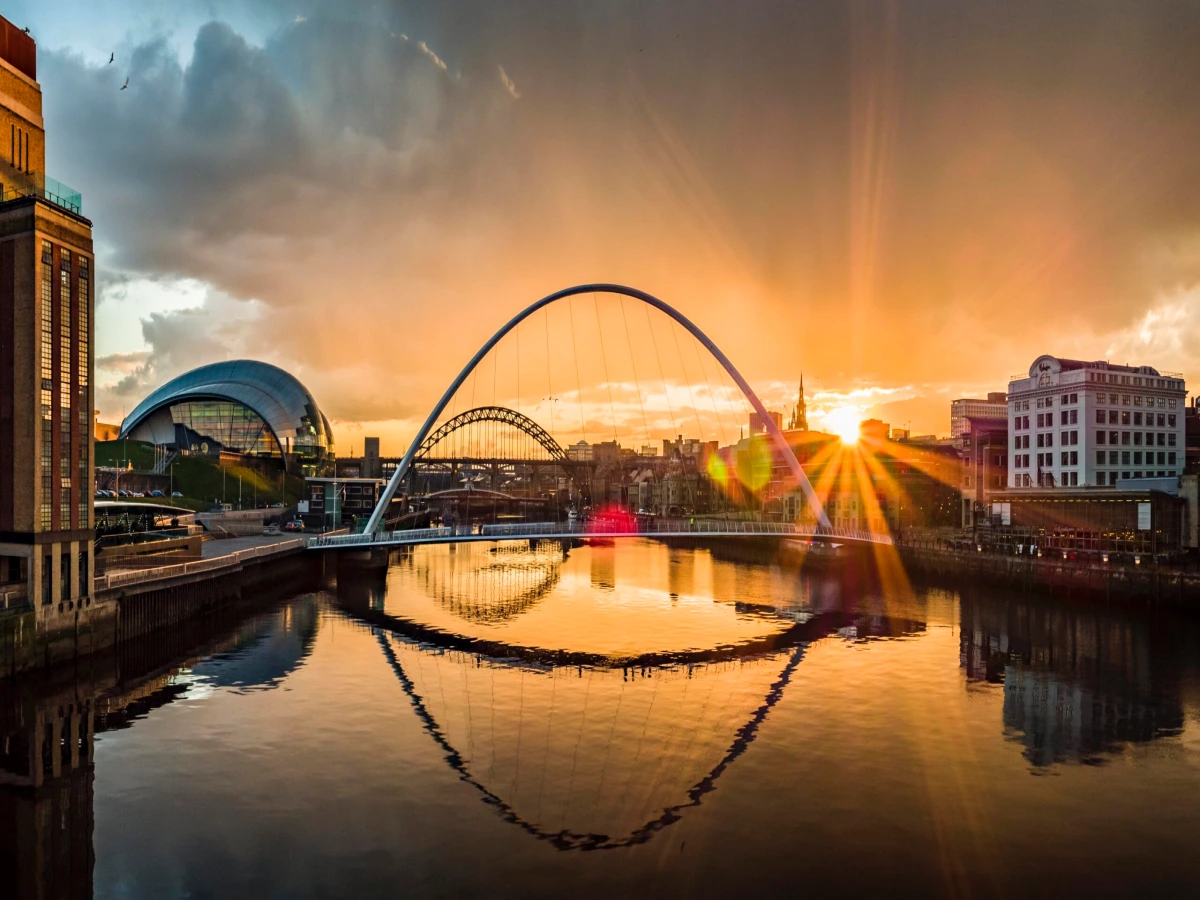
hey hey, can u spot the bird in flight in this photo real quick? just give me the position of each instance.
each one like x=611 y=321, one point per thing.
x=111 y=57
x=125 y=85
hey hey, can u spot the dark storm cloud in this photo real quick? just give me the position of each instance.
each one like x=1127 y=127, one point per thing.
x=855 y=180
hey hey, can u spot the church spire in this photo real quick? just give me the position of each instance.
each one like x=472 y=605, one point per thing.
x=800 y=415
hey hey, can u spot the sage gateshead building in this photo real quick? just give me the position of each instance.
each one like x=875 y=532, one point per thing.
x=240 y=407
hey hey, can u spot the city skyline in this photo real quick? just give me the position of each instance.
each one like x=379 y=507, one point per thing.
x=917 y=203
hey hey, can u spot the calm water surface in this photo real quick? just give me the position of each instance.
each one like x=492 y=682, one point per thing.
x=631 y=720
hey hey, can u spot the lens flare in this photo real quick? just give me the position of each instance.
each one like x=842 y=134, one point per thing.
x=717 y=470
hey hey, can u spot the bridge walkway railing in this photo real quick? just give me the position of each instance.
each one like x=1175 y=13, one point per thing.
x=672 y=527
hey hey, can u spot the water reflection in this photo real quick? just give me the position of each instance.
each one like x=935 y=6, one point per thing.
x=640 y=603
x=586 y=749
x=1080 y=683
x=489 y=587
x=49 y=731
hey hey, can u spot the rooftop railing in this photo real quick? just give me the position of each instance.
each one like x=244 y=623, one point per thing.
x=53 y=191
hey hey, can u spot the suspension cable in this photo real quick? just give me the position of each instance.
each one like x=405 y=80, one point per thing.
x=636 y=381
x=661 y=371
x=578 y=383
x=600 y=332
x=691 y=393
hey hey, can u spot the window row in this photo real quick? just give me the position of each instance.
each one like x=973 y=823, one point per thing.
x=1125 y=399
x=1136 y=381
x=1161 y=438
x=1125 y=457
x=1162 y=420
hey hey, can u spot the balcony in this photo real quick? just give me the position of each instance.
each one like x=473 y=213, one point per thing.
x=49 y=189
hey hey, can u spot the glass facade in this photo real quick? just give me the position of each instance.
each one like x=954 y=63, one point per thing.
x=215 y=425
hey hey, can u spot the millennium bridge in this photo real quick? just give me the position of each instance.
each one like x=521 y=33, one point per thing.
x=530 y=449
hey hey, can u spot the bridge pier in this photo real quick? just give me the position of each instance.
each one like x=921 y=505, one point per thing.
x=357 y=561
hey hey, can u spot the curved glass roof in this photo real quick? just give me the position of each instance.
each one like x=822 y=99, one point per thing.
x=283 y=402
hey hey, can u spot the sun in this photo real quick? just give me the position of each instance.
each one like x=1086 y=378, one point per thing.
x=844 y=422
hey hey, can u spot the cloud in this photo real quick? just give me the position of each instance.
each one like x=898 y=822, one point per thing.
x=508 y=84
x=368 y=220
x=123 y=363
x=437 y=61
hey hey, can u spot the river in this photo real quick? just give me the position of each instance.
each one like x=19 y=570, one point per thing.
x=622 y=720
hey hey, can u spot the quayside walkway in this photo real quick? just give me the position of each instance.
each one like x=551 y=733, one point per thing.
x=220 y=557
x=661 y=528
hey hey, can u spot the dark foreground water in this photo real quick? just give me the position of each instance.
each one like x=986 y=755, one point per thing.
x=619 y=721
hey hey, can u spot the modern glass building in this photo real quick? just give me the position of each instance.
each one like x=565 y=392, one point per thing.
x=241 y=406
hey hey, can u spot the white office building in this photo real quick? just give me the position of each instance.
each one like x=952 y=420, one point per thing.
x=994 y=407
x=1074 y=424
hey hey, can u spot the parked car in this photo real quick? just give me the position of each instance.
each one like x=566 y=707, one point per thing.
x=176 y=494
x=157 y=494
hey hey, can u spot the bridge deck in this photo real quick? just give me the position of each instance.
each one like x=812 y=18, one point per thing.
x=562 y=531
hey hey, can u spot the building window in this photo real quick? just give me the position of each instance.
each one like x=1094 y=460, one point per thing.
x=1171 y=439
x=1100 y=457
x=1162 y=402
x=1124 y=457
x=1124 y=399
x=1049 y=438
x=1171 y=417
x=1112 y=417
x=1099 y=417
x=1137 y=400
x=1063 y=456
x=1125 y=438
x=1137 y=458
x=1100 y=478
x=1162 y=438
x=1171 y=458
x=1171 y=403
x=1112 y=457
x=1137 y=439
x=46 y=342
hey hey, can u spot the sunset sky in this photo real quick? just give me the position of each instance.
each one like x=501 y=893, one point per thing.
x=907 y=202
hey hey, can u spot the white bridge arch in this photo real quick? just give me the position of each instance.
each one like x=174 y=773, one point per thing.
x=376 y=521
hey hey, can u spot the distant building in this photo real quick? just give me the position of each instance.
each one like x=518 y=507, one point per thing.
x=372 y=467
x=102 y=431
x=46 y=356
x=874 y=430
x=580 y=451
x=984 y=470
x=994 y=407
x=758 y=425
x=334 y=502
x=1073 y=423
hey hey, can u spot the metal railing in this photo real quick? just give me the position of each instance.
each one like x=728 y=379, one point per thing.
x=51 y=190
x=660 y=527
x=229 y=560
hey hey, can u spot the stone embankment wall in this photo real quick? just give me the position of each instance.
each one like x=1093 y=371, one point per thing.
x=1148 y=581
x=135 y=604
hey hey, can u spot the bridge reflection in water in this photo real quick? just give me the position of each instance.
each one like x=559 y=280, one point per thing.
x=597 y=741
